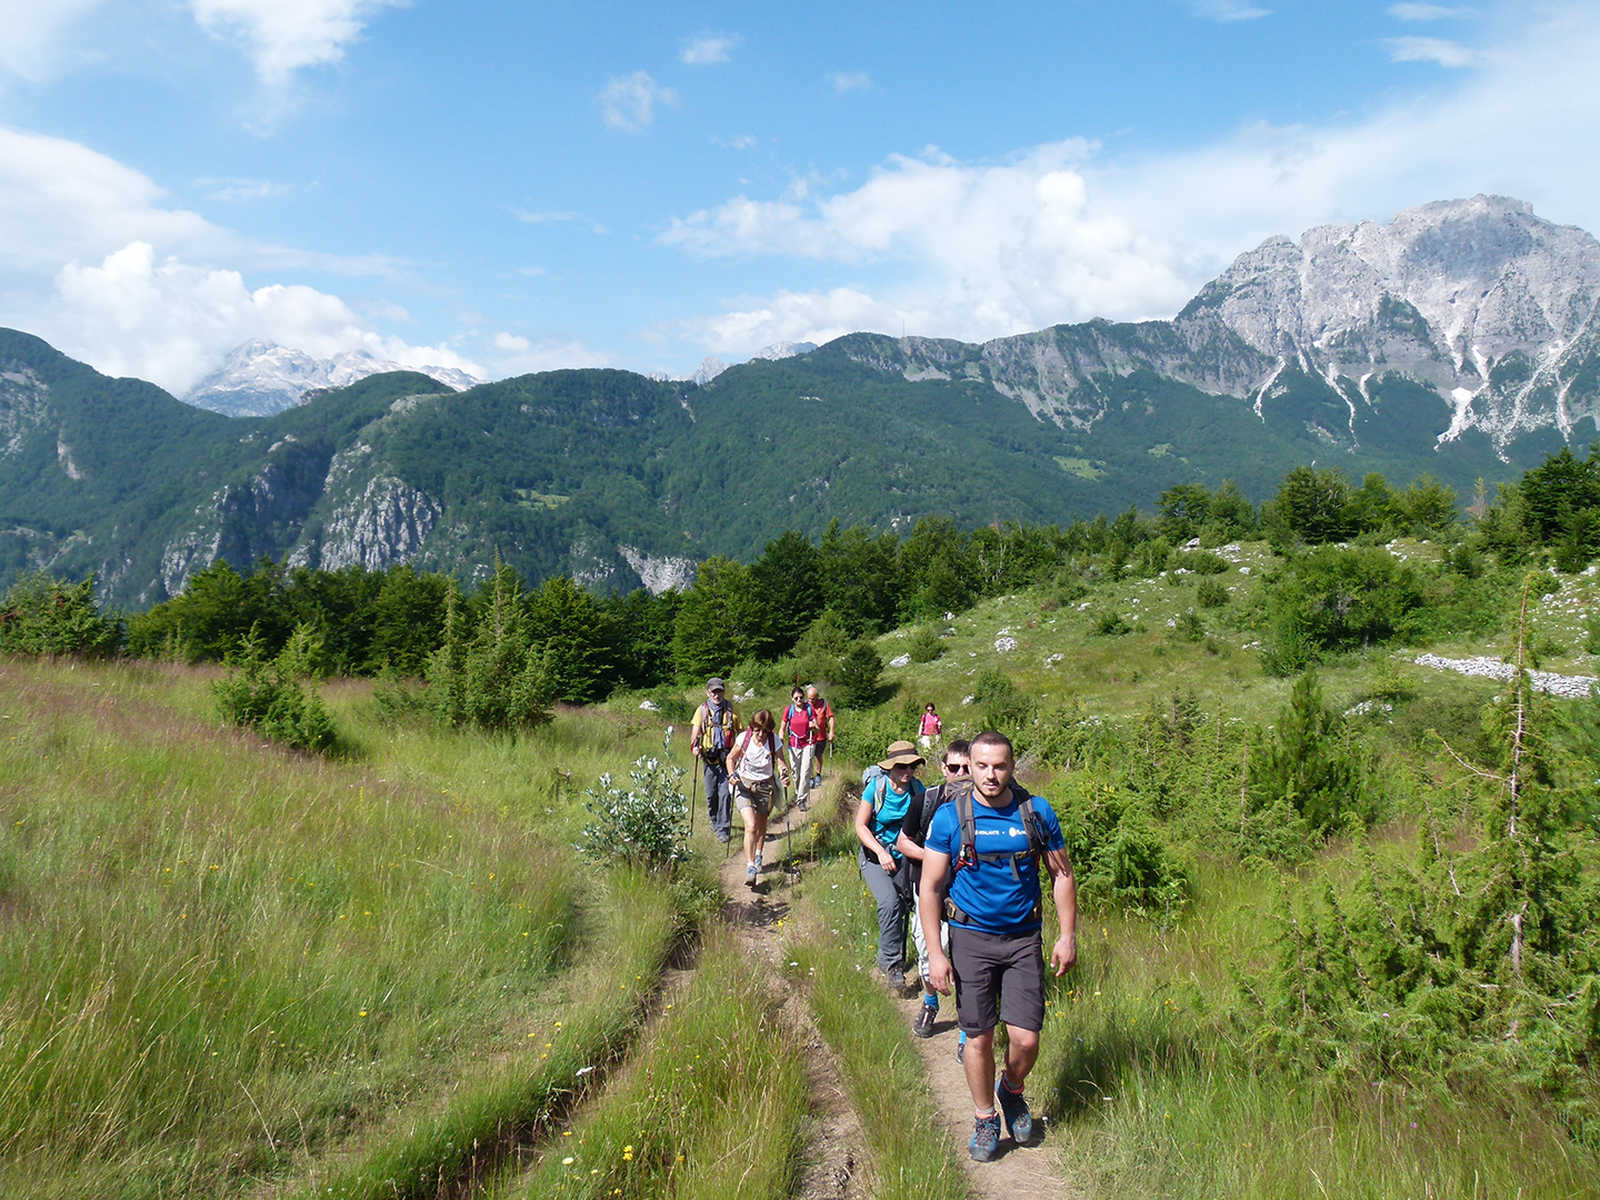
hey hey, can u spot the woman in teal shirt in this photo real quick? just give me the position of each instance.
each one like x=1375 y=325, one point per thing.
x=885 y=800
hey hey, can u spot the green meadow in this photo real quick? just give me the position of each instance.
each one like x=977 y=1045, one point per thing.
x=228 y=968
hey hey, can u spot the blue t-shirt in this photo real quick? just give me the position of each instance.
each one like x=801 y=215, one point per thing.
x=986 y=891
x=891 y=809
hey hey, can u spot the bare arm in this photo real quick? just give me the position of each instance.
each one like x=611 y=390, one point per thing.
x=869 y=839
x=1064 y=890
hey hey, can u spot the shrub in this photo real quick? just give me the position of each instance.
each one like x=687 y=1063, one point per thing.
x=1188 y=627
x=1109 y=623
x=925 y=645
x=1204 y=562
x=269 y=696
x=494 y=680
x=859 y=672
x=1211 y=593
x=1006 y=707
x=647 y=823
x=41 y=615
x=1302 y=764
x=1331 y=600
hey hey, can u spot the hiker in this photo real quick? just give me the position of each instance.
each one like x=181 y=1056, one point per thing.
x=953 y=765
x=931 y=725
x=991 y=899
x=824 y=712
x=801 y=730
x=710 y=738
x=751 y=763
x=886 y=797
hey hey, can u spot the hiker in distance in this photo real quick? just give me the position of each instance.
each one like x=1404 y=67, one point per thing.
x=711 y=736
x=886 y=797
x=931 y=725
x=752 y=763
x=801 y=732
x=913 y=831
x=824 y=714
x=992 y=902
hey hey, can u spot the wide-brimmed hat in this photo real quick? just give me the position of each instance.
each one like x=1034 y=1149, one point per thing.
x=902 y=754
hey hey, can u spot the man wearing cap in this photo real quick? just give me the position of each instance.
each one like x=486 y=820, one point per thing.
x=824 y=717
x=995 y=841
x=885 y=801
x=710 y=738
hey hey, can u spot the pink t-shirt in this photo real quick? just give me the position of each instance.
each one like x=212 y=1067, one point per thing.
x=930 y=724
x=798 y=718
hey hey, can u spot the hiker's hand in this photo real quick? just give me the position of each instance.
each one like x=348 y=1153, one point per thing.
x=939 y=971
x=1065 y=953
x=886 y=861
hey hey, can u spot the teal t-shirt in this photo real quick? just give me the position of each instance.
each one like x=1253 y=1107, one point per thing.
x=890 y=812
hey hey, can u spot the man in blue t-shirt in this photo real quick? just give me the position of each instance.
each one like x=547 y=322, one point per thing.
x=994 y=910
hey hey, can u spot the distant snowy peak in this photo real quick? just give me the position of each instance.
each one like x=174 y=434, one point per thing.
x=712 y=366
x=260 y=378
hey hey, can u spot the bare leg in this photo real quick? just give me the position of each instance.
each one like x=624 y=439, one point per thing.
x=1022 y=1051
x=978 y=1063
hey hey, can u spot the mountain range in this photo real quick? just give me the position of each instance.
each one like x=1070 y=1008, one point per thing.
x=1458 y=339
x=260 y=378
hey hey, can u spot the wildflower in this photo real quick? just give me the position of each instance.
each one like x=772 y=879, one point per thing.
x=567 y=1161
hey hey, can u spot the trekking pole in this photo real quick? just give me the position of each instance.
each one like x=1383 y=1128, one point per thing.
x=788 y=836
x=694 y=786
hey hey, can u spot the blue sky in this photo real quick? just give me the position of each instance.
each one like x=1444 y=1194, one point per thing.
x=513 y=188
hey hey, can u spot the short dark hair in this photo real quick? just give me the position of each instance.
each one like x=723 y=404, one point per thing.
x=960 y=746
x=993 y=737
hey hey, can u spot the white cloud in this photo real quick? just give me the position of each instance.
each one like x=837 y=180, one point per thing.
x=708 y=50
x=1427 y=12
x=1063 y=233
x=518 y=355
x=235 y=191
x=170 y=322
x=743 y=141
x=850 y=81
x=34 y=30
x=286 y=35
x=1228 y=10
x=628 y=102
x=1435 y=50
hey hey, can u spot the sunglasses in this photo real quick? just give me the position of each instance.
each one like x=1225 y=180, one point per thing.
x=955 y=768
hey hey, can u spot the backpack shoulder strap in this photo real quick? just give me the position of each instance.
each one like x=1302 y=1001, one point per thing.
x=1031 y=824
x=961 y=793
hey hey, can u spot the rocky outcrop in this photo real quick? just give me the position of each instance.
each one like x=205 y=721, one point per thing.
x=384 y=526
x=1480 y=301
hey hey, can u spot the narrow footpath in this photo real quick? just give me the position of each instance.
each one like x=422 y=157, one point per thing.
x=835 y=1160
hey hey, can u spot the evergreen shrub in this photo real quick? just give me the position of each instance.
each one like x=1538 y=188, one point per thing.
x=269 y=695
x=926 y=645
x=1211 y=593
x=42 y=615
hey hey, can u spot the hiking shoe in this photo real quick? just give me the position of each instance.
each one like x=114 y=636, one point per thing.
x=985 y=1143
x=923 y=1025
x=723 y=835
x=1019 y=1121
x=759 y=863
x=750 y=875
x=894 y=980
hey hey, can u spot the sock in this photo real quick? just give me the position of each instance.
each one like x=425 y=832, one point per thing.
x=1006 y=1083
x=931 y=1001
x=987 y=1116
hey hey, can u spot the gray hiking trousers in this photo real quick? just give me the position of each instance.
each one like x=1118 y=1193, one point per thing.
x=719 y=798
x=893 y=896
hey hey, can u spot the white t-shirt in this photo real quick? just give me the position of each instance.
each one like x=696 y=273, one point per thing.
x=755 y=759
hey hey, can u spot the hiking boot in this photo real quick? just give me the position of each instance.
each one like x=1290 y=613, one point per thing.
x=923 y=1025
x=894 y=980
x=985 y=1143
x=1019 y=1121
x=750 y=873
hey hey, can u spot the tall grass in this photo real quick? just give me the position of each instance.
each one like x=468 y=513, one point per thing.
x=714 y=1106
x=217 y=959
x=1154 y=1090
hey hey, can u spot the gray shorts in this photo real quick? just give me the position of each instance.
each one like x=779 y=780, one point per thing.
x=998 y=978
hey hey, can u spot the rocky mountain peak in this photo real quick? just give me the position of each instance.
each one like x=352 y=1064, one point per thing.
x=259 y=378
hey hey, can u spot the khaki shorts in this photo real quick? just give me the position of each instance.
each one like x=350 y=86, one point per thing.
x=755 y=795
